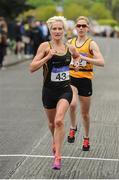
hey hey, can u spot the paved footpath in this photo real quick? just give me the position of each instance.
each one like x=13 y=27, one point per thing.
x=25 y=140
x=11 y=59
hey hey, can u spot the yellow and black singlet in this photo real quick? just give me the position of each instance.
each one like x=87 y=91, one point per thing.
x=56 y=70
x=86 y=68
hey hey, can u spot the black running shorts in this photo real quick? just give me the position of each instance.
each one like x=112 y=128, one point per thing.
x=51 y=97
x=83 y=85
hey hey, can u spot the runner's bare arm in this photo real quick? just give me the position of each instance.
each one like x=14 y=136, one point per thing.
x=98 y=59
x=44 y=53
x=75 y=54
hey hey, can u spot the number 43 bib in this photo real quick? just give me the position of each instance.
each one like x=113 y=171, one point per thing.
x=60 y=74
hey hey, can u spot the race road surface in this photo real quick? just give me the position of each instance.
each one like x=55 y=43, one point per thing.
x=25 y=151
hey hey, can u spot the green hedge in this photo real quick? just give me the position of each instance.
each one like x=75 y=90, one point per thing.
x=110 y=22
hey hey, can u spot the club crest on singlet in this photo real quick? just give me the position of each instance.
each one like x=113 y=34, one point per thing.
x=60 y=73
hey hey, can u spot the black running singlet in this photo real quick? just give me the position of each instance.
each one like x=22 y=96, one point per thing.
x=56 y=71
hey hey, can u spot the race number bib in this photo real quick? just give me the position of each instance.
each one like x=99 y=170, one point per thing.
x=60 y=74
x=82 y=63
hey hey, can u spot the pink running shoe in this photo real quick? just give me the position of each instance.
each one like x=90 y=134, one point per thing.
x=57 y=163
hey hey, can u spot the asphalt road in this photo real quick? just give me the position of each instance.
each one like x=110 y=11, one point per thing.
x=25 y=140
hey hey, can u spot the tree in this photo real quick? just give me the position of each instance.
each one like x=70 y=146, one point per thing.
x=72 y=11
x=39 y=3
x=115 y=9
x=99 y=11
x=108 y=4
x=41 y=13
x=10 y=9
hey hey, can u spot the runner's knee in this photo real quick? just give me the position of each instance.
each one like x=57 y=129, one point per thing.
x=59 y=123
x=51 y=125
x=73 y=107
x=85 y=116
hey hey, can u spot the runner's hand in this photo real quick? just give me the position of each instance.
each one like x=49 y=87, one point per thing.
x=51 y=53
x=76 y=65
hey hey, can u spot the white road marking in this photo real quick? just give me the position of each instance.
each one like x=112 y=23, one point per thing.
x=63 y=157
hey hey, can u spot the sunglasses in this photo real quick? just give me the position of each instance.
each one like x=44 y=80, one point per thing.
x=81 y=25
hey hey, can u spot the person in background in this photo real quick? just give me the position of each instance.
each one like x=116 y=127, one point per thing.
x=55 y=57
x=19 y=30
x=81 y=80
x=36 y=36
x=45 y=30
x=27 y=42
x=3 y=40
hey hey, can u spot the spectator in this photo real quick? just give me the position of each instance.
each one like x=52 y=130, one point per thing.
x=36 y=36
x=18 y=39
x=3 y=39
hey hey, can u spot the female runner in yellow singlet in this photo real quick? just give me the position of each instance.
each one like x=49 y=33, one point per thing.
x=81 y=80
